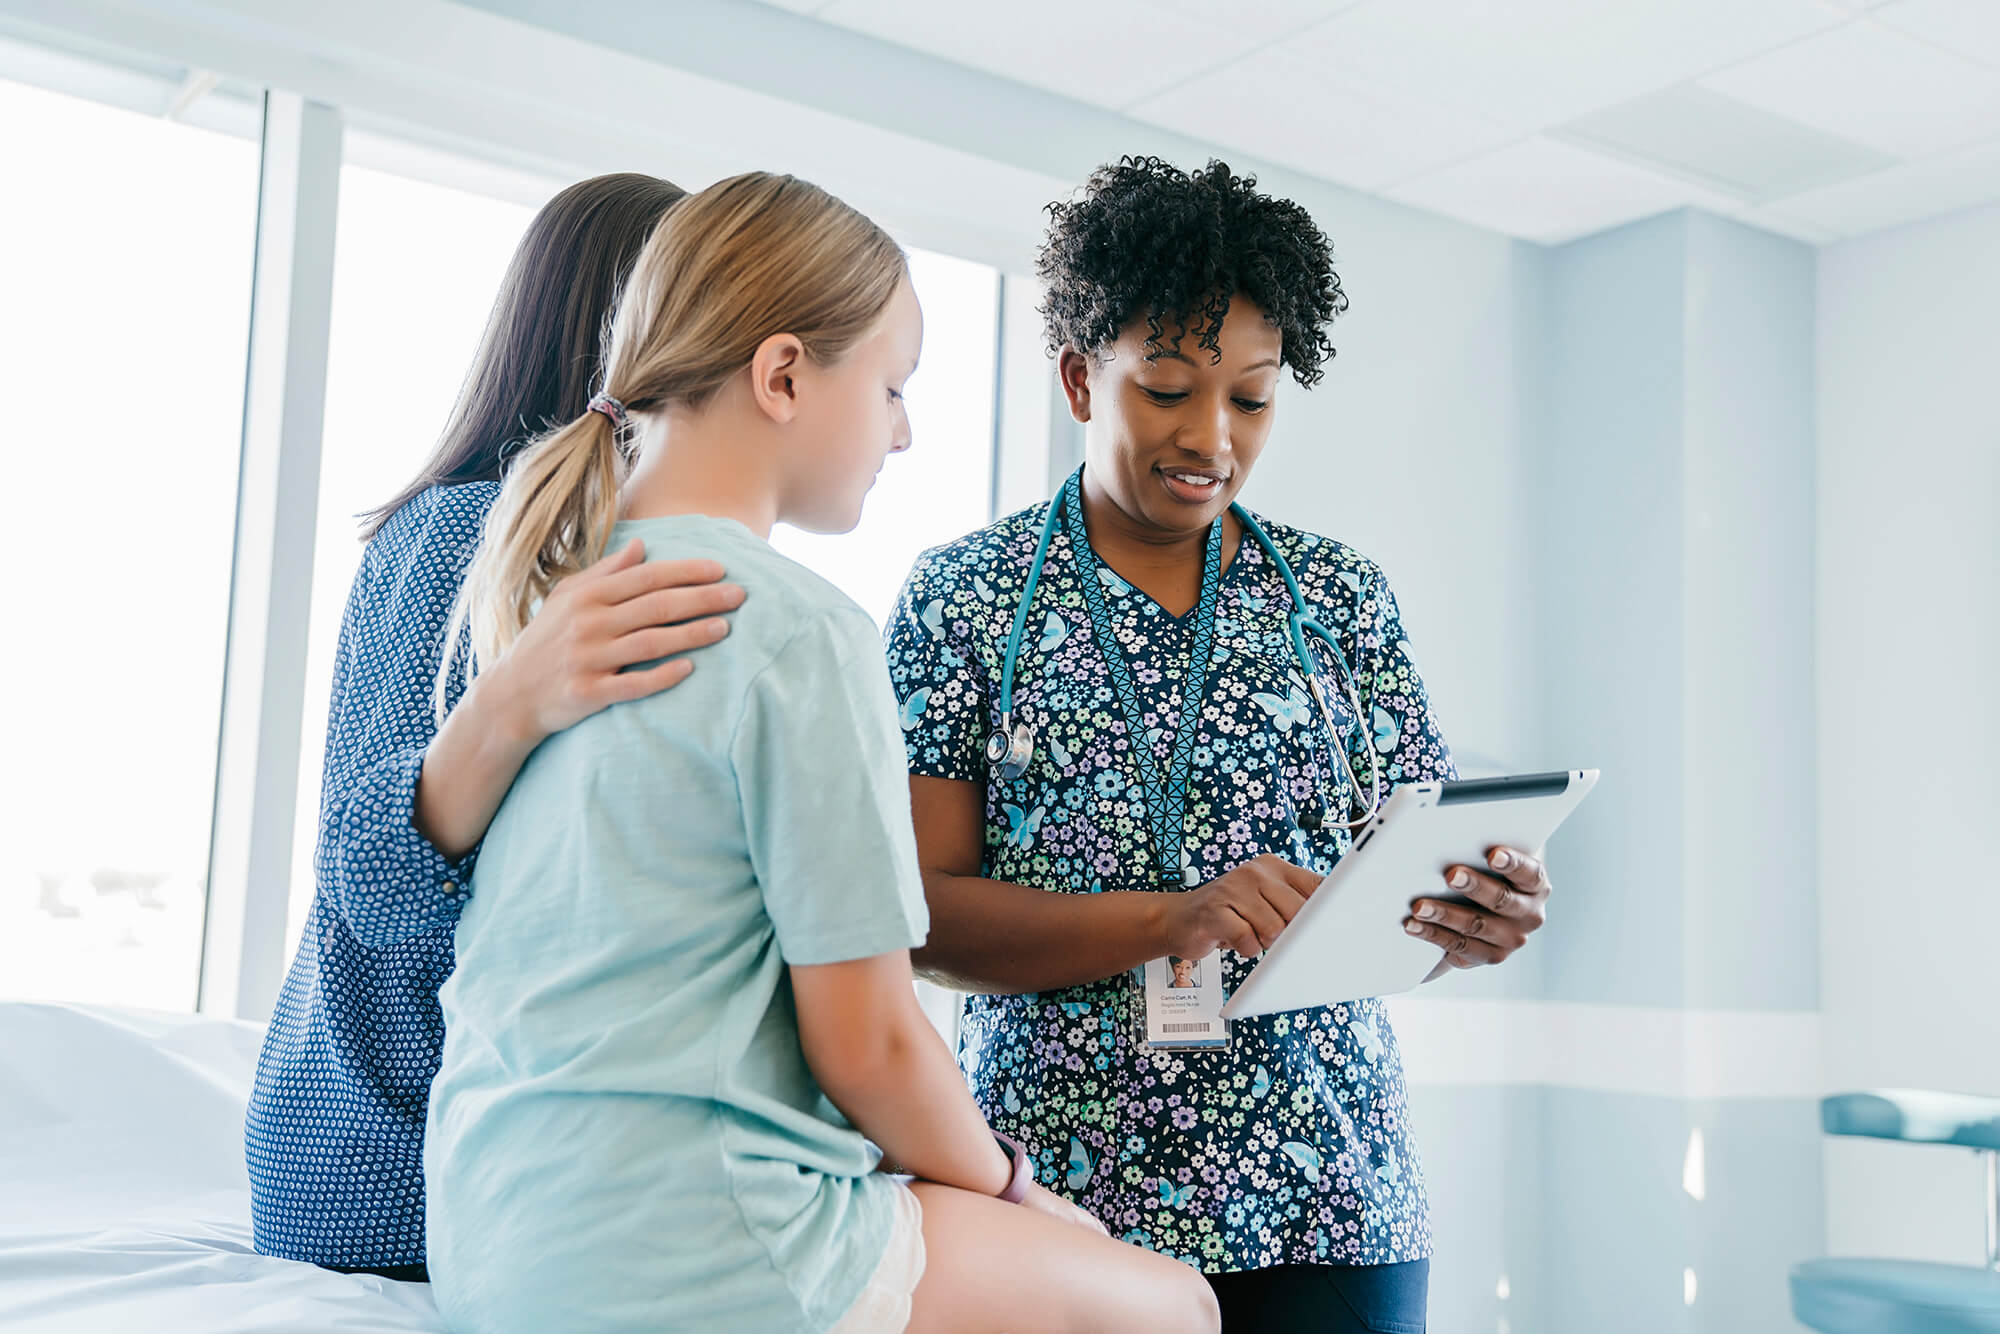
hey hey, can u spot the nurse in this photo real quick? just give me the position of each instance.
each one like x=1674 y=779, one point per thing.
x=1173 y=790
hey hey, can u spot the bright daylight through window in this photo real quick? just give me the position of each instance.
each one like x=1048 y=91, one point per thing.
x=125 y=257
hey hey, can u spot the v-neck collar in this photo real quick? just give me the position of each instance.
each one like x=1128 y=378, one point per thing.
x=1096 y=559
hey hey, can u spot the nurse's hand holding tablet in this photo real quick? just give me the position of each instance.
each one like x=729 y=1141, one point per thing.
x=1245 y=910
x=1339 y=947
x=1510 y=901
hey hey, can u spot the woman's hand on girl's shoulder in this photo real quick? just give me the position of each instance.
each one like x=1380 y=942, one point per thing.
x=570 y=660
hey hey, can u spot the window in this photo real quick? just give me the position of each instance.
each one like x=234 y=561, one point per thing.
x=416 y=268
x=125 y=256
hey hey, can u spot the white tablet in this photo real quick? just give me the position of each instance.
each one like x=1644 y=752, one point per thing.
x=1348 y=941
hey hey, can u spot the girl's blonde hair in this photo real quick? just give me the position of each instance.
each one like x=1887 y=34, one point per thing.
x=747 y=258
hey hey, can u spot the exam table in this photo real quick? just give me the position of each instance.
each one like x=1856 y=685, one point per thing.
x=1845 y=1296
x=124 y=1203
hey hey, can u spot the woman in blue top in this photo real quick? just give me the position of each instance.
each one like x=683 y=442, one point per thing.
x=1281 y=1163
x=335 y=1125
x=683 y=1005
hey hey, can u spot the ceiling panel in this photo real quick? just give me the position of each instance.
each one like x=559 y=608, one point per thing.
x=1545 y=119
x=1969 y=27
x=1543 y=190
x=1726 y=143
x=1906 y=193
x=1108 y=52
x=1284 y=110
x=1262 y=21
x=1531 y=64
x=1874 y=85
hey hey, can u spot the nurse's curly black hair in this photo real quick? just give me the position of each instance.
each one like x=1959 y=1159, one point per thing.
x=1148 y=240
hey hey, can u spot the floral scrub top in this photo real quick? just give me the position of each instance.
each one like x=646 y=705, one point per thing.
x=1291 y=1146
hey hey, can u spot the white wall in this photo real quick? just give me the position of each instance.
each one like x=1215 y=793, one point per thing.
x=1410 y=450
x=1909 y=658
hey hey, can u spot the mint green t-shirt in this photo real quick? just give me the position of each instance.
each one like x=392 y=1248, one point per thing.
x=624 y=1134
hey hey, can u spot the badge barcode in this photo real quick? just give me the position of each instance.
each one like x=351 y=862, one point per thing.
x=1185 y=1028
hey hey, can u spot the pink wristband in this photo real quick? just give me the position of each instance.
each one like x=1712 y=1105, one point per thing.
x=1024 y=1170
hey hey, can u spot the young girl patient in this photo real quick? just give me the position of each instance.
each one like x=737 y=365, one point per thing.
x=682 y=1019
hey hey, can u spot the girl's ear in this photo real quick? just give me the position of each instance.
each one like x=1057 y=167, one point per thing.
x=774 y=372
x=1073 y=369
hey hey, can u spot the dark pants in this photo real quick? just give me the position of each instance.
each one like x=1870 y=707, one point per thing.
x=1325 y=1299
x=401 y=1273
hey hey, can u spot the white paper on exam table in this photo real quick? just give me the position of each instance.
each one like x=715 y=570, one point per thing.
x=1348 y=941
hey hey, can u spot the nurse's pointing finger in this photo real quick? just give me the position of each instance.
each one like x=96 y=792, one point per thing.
x=1286 y=900
x=1244 y=941
x=1302 y=881
x=1262 y=917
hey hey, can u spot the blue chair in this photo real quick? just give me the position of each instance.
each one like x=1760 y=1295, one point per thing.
x=1908 y=1296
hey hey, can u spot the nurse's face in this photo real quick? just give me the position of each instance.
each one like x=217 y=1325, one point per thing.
x=1171 y=440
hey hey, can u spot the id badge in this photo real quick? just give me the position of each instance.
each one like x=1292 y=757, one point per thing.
x=1183 y=1002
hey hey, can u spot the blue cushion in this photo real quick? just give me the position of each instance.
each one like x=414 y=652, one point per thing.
x=1916 y=1115
x=1895 y=1297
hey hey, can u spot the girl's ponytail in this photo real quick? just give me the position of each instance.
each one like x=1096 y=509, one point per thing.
x=552 y=519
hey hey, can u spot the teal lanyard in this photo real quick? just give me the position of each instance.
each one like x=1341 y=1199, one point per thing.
x=1166 y=801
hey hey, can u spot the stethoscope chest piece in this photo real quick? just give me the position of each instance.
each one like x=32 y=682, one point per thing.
x=1011 y=748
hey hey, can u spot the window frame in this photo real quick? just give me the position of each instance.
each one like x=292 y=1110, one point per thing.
x=270 y=594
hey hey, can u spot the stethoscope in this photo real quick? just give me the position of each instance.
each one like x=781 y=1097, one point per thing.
x=1010 y=749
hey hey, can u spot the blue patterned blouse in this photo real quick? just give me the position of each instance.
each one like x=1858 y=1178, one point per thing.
x=334 y=1135
x=1292 y=1146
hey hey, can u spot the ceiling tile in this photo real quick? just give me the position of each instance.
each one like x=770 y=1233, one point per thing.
x=1532 y=64
x=1875 y=86
x=1734 y=147
x=1969 y=27
x=1276 y=107
x=1543 y=190
x=1108 y=52
x=1906 y=193
x=1263 y=21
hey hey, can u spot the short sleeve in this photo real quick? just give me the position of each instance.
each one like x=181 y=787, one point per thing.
x=1398 y=723
x=826 y=801
x=941 y=691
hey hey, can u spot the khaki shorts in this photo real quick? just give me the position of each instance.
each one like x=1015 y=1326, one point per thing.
x=884 y=1304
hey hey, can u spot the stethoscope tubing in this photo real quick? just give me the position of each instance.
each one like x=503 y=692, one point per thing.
x=1303 y=628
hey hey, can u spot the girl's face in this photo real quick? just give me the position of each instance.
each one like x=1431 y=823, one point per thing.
x=1183 y=971
x=850 y=419
x=1172 y=440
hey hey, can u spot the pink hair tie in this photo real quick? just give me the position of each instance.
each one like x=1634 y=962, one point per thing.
x=610 y=407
